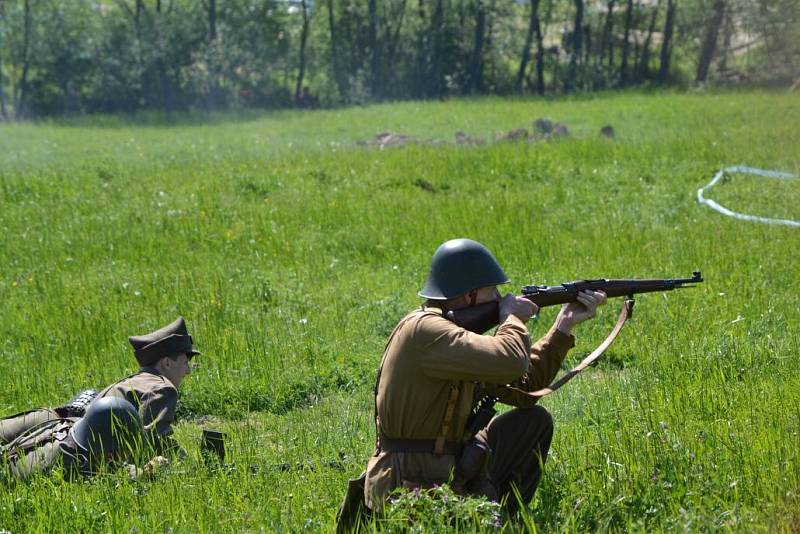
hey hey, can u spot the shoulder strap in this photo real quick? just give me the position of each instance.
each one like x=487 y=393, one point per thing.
x=624 y=315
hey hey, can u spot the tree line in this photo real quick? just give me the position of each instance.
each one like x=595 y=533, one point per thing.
x=76 y=56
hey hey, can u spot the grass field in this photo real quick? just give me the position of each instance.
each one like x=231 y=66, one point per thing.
x=292 y=251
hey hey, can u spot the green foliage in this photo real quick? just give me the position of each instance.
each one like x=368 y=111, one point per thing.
x=133 y=55
x=439 y=510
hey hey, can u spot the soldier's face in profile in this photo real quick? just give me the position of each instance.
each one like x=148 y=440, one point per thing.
x=175 y=369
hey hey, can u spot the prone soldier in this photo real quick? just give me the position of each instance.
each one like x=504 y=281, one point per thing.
x=433 y=374
x=164 y=359
x=110 y=433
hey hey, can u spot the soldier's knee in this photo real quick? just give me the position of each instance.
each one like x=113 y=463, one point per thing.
x=541 y=418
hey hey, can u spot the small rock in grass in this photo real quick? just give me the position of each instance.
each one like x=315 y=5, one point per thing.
x=386 y=139
x=559 y=130
x=464 y=139
x=519 y=134
x=543 y=126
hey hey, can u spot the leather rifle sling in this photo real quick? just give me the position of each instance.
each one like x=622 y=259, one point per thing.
x=624 y=315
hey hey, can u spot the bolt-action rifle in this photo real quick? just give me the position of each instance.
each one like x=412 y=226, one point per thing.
x=482 y=317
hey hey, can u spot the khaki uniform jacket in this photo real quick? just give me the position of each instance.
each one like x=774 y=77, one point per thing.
x=156 y=398
x=425 y=357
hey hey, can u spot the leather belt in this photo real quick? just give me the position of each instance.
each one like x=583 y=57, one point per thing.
x=418 y=445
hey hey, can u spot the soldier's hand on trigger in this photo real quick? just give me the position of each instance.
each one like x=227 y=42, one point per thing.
x=582 y=310
x=520 y=307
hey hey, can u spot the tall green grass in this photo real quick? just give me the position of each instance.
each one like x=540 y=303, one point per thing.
x=292 y=251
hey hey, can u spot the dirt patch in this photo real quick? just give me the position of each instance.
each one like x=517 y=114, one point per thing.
x=389 y=139
x=543 y=129
x=425 y=185
x=518 y=134
x=464 y=139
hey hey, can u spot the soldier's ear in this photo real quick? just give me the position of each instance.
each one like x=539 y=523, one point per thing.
x=163 y=363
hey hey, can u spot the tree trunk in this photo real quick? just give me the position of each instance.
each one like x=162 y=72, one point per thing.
x=605 y=39
x=539 y=55
x=3 y=111
x=727 y=38
x=212 y=20
x=167 y=100
x=587 y=43
x=299 y=94
x=20 y=104
x=577 y=43
x=335 y=63
x=644 y=61
x=436 y=86
x=213 y=98
x=393 y=40
x=626 y=45
x=475 y=63
x=710 y=40
x=422 y=45
x=526 y=51
x=144 y=80
x=666 y=44
x=372 y=44
x=487 y=50
x=548 y=18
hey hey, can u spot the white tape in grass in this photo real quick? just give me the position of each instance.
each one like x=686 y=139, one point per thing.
x=743 y=216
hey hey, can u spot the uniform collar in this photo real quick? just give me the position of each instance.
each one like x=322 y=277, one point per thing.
x=150 y=370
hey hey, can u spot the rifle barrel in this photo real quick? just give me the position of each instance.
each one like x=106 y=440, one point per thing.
x=482 y=317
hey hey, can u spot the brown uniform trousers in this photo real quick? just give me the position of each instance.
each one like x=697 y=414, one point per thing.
x=40 y=449
x=14 y=426
x=148 y=390
x=426 y=359
x=519 y=440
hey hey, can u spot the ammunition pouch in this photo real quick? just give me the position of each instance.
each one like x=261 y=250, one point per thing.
x=77 y=405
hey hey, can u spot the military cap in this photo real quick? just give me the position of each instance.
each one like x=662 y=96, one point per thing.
x=459 y=266
x=166 y=341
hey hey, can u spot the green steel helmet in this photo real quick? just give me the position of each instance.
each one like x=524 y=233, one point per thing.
x=110 y=424
x=459 y=266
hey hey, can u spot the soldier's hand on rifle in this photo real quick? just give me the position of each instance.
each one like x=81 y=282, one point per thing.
x=520 y=307
x=578 y=312
x=155 y=465
x=150 y=469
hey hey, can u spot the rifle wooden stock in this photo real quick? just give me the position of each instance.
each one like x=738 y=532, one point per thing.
x=482 y=317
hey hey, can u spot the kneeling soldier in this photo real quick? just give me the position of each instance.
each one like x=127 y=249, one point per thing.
x=110 y=433
x=434 y=372
x=163 y=357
